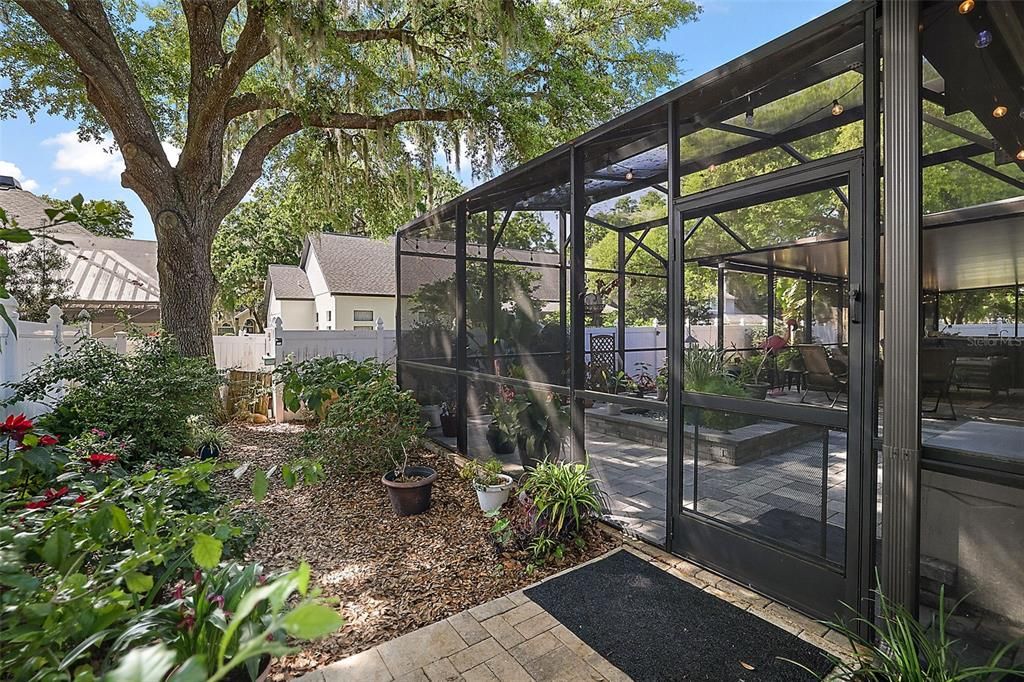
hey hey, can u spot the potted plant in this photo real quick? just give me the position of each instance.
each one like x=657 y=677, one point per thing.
x=209 y=441
x=661 y=381
x=449 y=420
x=491 y=485
x=620 y=383
x=430 y=408
x=501 y=432
x=542 y=422
x=751 y=369
x=409 y=487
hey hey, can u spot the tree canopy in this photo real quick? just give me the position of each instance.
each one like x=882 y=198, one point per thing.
x=102 y=217
x=393 y=81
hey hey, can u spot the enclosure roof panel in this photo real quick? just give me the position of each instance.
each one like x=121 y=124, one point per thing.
x=542 y=183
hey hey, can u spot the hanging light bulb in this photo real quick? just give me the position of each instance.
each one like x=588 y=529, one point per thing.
x=629 y=174
x=984 y=39
x=966 y=7
x=1020 y=154
x=837 y=108
x=999 y=111
x=749 y=118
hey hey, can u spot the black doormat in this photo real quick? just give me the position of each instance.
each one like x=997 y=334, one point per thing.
x=654 y=626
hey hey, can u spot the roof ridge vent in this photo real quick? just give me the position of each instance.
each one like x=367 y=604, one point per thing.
x=8 y=182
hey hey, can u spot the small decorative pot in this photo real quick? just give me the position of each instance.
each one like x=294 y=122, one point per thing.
x=662 y=393
x=208 y=451
x=613 y=408
x=758 y=391
x=492 y=497
x=409 y=498
x=431 y=415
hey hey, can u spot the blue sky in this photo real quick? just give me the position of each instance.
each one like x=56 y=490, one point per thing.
x=48 y=158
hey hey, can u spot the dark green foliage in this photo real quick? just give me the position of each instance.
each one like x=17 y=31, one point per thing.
x=315 y=382
x=146 y=395
x=369 y=427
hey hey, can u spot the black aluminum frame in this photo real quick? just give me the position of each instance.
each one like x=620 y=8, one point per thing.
x=663 y=119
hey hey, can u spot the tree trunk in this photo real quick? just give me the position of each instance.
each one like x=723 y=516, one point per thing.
x=187 y=284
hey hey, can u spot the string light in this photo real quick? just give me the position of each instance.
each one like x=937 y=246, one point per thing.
x=984 y=39
x=749 y=118
x=629 y=174
x=837 y=108
x=1020 y=154
x=966 y=7
x=999 y=111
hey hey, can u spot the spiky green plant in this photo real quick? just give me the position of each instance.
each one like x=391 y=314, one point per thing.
x=899 y=648
x=563 y=494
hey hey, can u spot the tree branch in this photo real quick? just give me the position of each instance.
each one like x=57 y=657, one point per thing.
x=250 y=162
x=84 y=33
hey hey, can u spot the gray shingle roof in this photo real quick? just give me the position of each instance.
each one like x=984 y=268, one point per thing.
x=289 y=282
x=30 y=211
x=355 y=265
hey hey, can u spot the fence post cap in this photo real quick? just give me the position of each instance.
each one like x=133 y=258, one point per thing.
x=278 y=324
x=54 y=314
x=380 y=323
x=120 y=334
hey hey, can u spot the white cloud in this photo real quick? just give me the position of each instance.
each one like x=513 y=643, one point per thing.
x=98 y=159
x=27 y=184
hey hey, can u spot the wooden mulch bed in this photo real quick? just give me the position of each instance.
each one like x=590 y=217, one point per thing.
x=390 y=575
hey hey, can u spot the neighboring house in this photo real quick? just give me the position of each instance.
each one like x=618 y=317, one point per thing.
x=341 y=282
x=113 y=280
x=347 y=282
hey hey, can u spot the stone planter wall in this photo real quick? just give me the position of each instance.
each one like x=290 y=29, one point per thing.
x=735 y=447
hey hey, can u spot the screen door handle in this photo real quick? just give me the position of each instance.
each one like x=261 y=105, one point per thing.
x=855 y=304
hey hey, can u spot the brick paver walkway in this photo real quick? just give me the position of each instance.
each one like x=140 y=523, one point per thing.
x=513 y=639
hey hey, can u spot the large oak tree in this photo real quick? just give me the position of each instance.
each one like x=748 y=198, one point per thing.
x=227 y=81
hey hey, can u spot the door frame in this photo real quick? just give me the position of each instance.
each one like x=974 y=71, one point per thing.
x=810 y=585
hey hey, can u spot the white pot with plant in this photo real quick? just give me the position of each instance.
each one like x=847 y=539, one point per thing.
x=430 y=408
x=492 y=487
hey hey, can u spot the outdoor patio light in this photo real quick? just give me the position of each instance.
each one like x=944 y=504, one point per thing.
x=999 y=111
x=966 y=6
x=984 y=39
x=749 y=118
x=629 y=174
x=837 y=108
x=1020 y=154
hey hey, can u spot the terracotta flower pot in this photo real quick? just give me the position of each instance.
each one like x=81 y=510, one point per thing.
x=410 y=497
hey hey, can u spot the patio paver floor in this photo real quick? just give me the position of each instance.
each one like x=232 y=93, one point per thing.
x=512 y=638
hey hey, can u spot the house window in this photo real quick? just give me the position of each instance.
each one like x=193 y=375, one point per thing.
x=363 y=326
x=362 y=315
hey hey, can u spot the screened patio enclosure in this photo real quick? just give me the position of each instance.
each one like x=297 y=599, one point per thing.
x=769 y=372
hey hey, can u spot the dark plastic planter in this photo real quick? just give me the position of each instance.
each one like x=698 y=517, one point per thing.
x=499 y=443
x=449 y=425
x=413 y=497
x=757 y=390
x=208 y=451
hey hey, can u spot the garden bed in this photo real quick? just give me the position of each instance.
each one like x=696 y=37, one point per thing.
x=390 y=575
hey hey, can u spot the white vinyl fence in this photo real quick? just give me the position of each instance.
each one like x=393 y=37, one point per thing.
x=28 y=344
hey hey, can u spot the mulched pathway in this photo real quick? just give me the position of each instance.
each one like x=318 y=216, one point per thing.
x=390 y=575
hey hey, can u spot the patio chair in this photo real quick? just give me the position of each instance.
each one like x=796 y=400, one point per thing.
x=936 y=370
x=819 y=374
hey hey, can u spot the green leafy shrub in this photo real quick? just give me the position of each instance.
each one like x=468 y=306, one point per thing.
x=146 y=395
x=543 y=421
x=482 y=473
x=315 y=383
x=231 y=617
x=367 y=428
x=556 y=501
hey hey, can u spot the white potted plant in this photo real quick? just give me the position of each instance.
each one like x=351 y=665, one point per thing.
x=492 y=487
x=430 y=408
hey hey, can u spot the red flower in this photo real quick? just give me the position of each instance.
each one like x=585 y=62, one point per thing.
x=48 y=440
x=80 y=499
x=98 y=459
x=98 y=432
x=16 y=426
x=217 y=599
x=187 y=621
x=179 y=590
x=49 y=497
x=197 y=576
